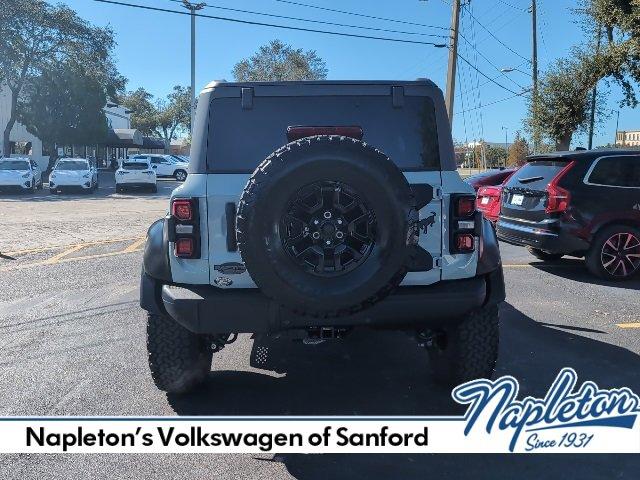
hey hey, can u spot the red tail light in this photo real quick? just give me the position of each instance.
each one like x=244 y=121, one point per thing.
x=466 y=206
x=558 y=197
x=184 y=247
x=298 y=132
x=464 y=242
x=182 y=210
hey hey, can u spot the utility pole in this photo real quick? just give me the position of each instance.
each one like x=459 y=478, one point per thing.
x=592 y=120
x=534 y=74
x=193 y=7
x=506 y=144
x=453 y=58
x=615 y=140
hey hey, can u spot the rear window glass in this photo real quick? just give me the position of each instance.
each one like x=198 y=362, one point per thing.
x=537 y=174
x=135 y=165
x=14 y=165
x=72 y=165
x=240 y=139
x=616 y=171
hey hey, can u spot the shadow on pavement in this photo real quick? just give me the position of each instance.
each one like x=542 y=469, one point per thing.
x=575 y=269
x=380 y=373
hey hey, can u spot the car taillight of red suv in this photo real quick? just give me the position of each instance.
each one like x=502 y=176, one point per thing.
x=558 y=198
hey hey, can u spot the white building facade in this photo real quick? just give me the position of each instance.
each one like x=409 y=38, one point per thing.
x=24 y=143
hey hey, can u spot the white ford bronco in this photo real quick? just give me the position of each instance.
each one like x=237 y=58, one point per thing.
x=312 y=208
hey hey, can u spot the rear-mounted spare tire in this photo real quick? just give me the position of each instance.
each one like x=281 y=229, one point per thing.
x=326 y=226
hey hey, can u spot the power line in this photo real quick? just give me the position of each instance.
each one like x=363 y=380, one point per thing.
x=497 y=39
x=357 y=14
x=489 y=81
x=502 y=74
x=493 y=103
x=273 y=25
x=523 y=10
x=284 y=17
x=476 y=69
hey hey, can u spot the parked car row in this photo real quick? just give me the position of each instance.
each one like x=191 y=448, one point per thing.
x=80 y=174
x=584 y=204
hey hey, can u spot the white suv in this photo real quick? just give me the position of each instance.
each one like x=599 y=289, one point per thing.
x=136 y=172
x=166 y=166
x=19 y=174
x=289 y=223
x=73 y=173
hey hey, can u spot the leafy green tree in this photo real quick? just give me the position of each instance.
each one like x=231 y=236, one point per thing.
x=36 y=37
x=495 y=156
x=518 y=152
x=277 y=61
x=564 y=100
x=164 y=118
x=65 y=107
x=619 y=55
x=144 y=116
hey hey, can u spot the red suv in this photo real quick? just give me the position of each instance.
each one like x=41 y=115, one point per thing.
x=583 y=204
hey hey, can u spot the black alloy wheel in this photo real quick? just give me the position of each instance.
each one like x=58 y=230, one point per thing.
x=328 y=229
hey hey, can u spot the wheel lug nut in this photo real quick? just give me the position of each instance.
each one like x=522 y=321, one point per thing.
x=327 y=215
x=339 y=221
x=328 y=242
x=316 y=222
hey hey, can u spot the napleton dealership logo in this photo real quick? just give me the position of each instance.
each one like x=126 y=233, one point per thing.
x=564 y=418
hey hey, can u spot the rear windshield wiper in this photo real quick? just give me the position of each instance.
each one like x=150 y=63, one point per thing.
x=530 y=179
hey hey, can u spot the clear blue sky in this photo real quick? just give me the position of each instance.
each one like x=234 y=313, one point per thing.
x=153 y=49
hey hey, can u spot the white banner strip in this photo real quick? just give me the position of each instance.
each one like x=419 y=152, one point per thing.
x=294 y=435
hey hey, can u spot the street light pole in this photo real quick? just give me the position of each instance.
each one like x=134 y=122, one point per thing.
x=615 y=139
x=193 y=7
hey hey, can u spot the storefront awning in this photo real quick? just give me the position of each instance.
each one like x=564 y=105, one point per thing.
x=124 y=137
x=150 y=143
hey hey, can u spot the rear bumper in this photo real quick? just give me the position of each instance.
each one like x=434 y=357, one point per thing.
x=553 y=237
x=208 y=309
x=137 y=184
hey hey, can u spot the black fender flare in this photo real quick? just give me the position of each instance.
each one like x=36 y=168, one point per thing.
x=156 y=269
x=490 y=263
x=489 y=255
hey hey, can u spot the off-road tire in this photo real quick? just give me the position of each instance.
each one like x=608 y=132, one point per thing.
x=593 y=256
x=468 y=351
x=179 y=359
x=544 y=256
x=345 y=161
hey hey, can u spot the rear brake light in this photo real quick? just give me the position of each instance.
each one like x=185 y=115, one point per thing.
x=182 y=210
x=184 y=247
x=464 y=242
x=558 y=197
x=466 y=206
x=298 y=132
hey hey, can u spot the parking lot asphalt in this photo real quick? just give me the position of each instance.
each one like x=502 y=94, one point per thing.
x=72 y=342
